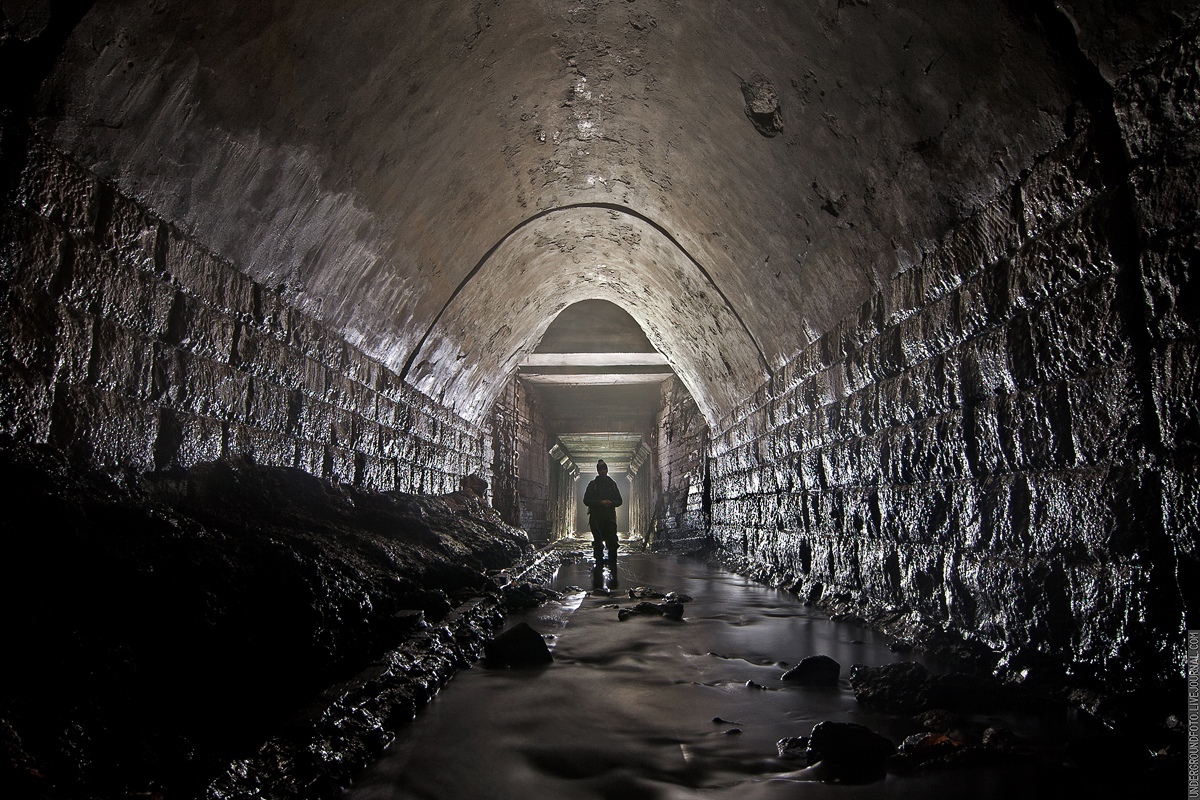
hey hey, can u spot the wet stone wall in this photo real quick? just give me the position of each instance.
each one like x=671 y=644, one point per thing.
x=520 y=465
x=561 y=508
x=641 y=500
x=1003 y=442
x=125 y=342
x=681 y=514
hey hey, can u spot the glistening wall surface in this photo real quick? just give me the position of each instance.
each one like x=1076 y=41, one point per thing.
x=1003 y=442
x=125 y=342
x=640 y=501
x=682 y=440
x=561 y=508
x=521 y=463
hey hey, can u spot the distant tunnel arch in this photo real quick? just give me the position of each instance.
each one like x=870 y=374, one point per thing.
x=565 y=255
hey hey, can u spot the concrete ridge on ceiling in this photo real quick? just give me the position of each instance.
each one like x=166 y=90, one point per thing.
x=454 y=335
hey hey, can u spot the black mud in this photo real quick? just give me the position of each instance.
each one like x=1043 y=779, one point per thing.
x=226 y=630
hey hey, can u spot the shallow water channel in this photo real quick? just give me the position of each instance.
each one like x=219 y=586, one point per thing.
x=653 y=708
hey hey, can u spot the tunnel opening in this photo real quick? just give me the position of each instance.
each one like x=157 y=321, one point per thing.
x=593 y=388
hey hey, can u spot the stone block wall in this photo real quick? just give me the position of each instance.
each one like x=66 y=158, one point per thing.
x=562 y=504
x=1003 y=441
x=641 y=504
x=681 y=514
x=126 y=343
x=521 y=461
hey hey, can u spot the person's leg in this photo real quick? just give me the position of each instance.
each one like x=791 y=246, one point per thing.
x=598 y=547
x=610 y=540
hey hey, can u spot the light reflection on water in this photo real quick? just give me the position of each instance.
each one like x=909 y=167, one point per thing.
x=627 y=708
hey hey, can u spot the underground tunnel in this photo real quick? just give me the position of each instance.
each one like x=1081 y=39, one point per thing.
x=317 y=318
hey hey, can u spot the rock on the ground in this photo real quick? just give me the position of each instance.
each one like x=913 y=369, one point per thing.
x=519 y=646
x=669 y=610
x=910 y=688
x=849 y=752
x=792 y=746
x=819 y=670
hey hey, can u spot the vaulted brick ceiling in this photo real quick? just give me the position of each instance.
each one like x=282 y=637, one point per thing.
x=440 y=180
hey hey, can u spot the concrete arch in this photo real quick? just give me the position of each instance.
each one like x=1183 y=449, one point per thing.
x=587 y=251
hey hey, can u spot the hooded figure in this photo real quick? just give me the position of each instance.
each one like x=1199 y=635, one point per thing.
x=602 y=498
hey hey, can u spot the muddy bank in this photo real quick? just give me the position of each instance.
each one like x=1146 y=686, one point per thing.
x=198 y=633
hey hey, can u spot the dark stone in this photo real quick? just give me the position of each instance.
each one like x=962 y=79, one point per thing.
x=850 y=752
x=670 y=610
x=902 y=688
x=475 y=485
x=762 y=105
x=999 y=736
x=922 y=747
x=519 y=646
x=939 y=720
x=909 y=688
x=819 y=670
x=526 y=595
x=792 y=747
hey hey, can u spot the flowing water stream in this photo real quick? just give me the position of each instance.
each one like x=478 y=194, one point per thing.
x=653 y=708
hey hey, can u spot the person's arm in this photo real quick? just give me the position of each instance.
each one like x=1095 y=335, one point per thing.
x=589 y=496
x=616 y=495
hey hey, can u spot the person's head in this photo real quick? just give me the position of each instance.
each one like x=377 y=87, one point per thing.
x=601 y=467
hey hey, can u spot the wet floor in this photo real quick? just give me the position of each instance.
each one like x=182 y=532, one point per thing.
x=628 y=709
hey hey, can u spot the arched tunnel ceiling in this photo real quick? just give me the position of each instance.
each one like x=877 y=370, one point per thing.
x=575 y=254
x=374 y=157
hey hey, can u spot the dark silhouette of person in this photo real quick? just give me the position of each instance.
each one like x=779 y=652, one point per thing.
x=602 y=498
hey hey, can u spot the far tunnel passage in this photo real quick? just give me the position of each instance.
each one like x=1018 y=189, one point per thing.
x=694 y=708
x=566 y=257
x=581 y=516
x=595 y=388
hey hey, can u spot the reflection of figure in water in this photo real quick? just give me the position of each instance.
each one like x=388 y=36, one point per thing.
x=602 y=498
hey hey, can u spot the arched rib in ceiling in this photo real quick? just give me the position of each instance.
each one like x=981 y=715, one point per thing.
x=359 y=157
x=596 y=251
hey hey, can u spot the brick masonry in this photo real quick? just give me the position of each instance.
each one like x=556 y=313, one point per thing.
x=522 y=492
x=1003 y=441
x=681 y=515
x=129 y=345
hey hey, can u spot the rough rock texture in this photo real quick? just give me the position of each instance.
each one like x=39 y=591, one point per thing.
x=819 y=670
x=128 y=343
x=519 y=646
x=681 y=516
x=937 y=339
x=848 y=752
x=909 y=688
x=388 y=161
x=762 y=105
x=161 y=629
x=1002 y=443
x=519 y=447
